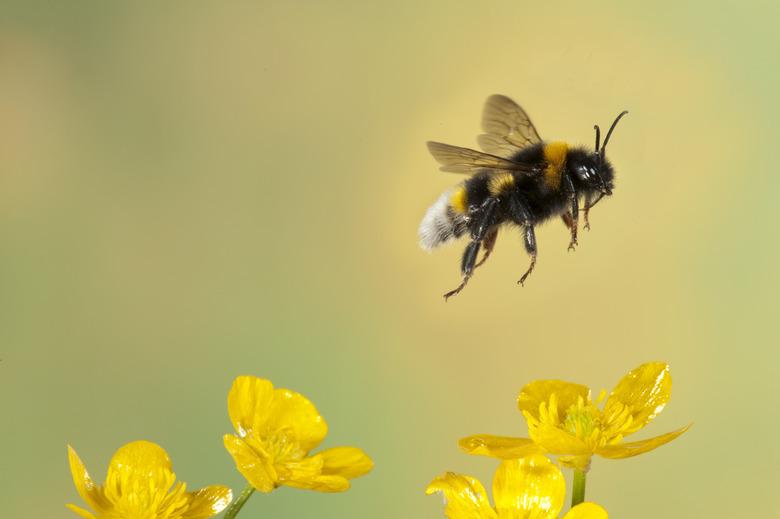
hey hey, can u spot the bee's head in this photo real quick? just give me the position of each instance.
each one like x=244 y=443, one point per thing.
x=593 y=171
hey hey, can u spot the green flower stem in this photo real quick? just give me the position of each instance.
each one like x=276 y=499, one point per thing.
x=578 y=491
x=236 y=505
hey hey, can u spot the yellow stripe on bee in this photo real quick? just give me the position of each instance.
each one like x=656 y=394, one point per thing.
x=501 y=182
x=555 y=156
x=458 y=200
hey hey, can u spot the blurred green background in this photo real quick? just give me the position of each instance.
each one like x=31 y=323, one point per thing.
x=190 y=191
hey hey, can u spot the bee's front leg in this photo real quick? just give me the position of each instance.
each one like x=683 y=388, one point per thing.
x=588 y=206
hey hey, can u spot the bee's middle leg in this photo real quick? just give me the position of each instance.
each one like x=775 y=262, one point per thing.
x=572 y=217
x=529 y=239
x=572 y=226
x=488 y=243
x=523 y=217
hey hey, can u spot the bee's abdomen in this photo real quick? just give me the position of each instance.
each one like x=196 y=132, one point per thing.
x=445 y=220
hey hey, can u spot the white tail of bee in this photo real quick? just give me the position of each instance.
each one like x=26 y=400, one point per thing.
x=441 y=224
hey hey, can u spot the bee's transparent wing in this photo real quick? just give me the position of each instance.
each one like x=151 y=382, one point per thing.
x=507 y=127
x=464 y=160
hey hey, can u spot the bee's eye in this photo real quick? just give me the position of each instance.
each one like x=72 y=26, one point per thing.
x=584 y=172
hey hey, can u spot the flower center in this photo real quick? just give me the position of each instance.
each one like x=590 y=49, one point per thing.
x=278 y=446
x=582 y=420
x=282 y=447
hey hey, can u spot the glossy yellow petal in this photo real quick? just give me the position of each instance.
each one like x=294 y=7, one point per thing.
x=207 y=502
x=81 y=512
x=464 y=497
x=538 y=392
x=640 y=395
x=586 y=511
x=557 y=441
x=141 y=463
x=248 y=401
x=529 y=487
x=300 y=470
x=256 y=408
x=627 y=450
x=347 y=462
x=89 y=492
x=254 y=469
x=503 y=447
x=321 y=483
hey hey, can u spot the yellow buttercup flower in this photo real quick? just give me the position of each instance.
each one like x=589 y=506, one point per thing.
x=141 y=485
x=563 y=420
x=277 y=428
x=531 y=487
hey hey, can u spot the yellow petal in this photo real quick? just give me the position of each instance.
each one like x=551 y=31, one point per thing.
x=464 y=496
x=347 y=462
x=626 y=450
x=503 y=447
x=248 y=398
x=86 y=488
x=539 y=392
x=255 y=406
x=143 y=464
x=80 y=511
x=254 y=469
x=321 y=483
x=586 y=511
x=300 y=470
x=308 y=474
x=529 y=487
x=643 y=392
x=207 y=502
x=558 y=441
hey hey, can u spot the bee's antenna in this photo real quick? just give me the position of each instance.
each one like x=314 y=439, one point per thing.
x=609 y=133
x=598 y=136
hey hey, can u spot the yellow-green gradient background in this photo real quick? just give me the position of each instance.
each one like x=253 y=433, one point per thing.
x=190 y=191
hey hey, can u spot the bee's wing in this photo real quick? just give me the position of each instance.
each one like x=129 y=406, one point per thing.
x=464 y=160
x=507 y=127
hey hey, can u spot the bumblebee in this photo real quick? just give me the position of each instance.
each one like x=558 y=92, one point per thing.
x=518 y=180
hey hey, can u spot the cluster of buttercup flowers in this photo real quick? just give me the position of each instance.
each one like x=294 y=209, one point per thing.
x=276 y=430
x=563 y=422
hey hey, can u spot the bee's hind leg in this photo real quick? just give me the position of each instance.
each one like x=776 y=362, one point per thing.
x=479 y=232
x=467 y=267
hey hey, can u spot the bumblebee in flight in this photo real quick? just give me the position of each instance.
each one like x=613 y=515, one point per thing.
x=518 y=179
